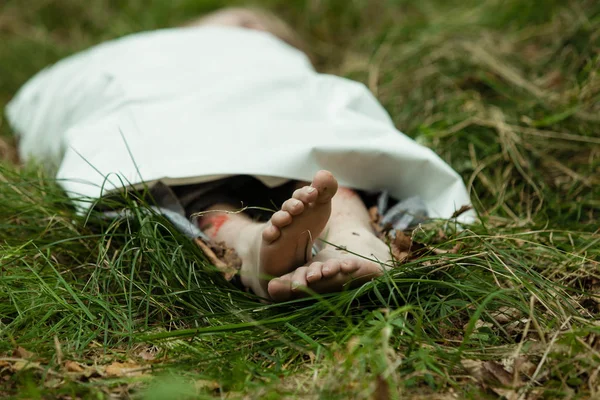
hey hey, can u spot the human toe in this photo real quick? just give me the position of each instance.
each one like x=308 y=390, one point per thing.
x=326 y=185
x=280 y=289
x=349 y=266
x=330 y=268
x=306 y=194
x=299 y=278
x=271 y=233
x=314 y=272
x=293 y=206
x=281 y=219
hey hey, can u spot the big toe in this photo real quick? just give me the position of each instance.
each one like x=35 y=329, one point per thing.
x=280 y=289
x=326 y=185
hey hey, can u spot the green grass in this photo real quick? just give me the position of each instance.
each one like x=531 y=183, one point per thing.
x=508 y=92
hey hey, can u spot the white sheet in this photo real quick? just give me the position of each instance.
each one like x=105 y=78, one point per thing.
x=191 y=105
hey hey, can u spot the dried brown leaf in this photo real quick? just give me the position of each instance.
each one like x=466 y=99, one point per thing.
x=221 y=256
x=127 y=368
x=72 y=366
x=490 y=374
x=522 y=365
x=402 y=242
x=497 y=372
x=147 y=354
x=25 y=365
x=375 y=219
x=404 y=248
x=400 y=256
x=21 y=352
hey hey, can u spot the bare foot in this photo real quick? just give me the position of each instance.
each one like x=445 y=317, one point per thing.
x=288 y=237
x=285 y=242
x=360 y=258
x=281 y=245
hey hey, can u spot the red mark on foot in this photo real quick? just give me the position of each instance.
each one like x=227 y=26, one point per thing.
x=212 y=224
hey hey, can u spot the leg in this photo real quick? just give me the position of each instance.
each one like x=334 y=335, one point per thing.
x=281 y=245
x=360 y=257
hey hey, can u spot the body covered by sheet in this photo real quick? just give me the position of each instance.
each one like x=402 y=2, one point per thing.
x=191 y=105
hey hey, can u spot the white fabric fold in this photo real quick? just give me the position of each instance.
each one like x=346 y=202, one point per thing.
x=190 y=105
